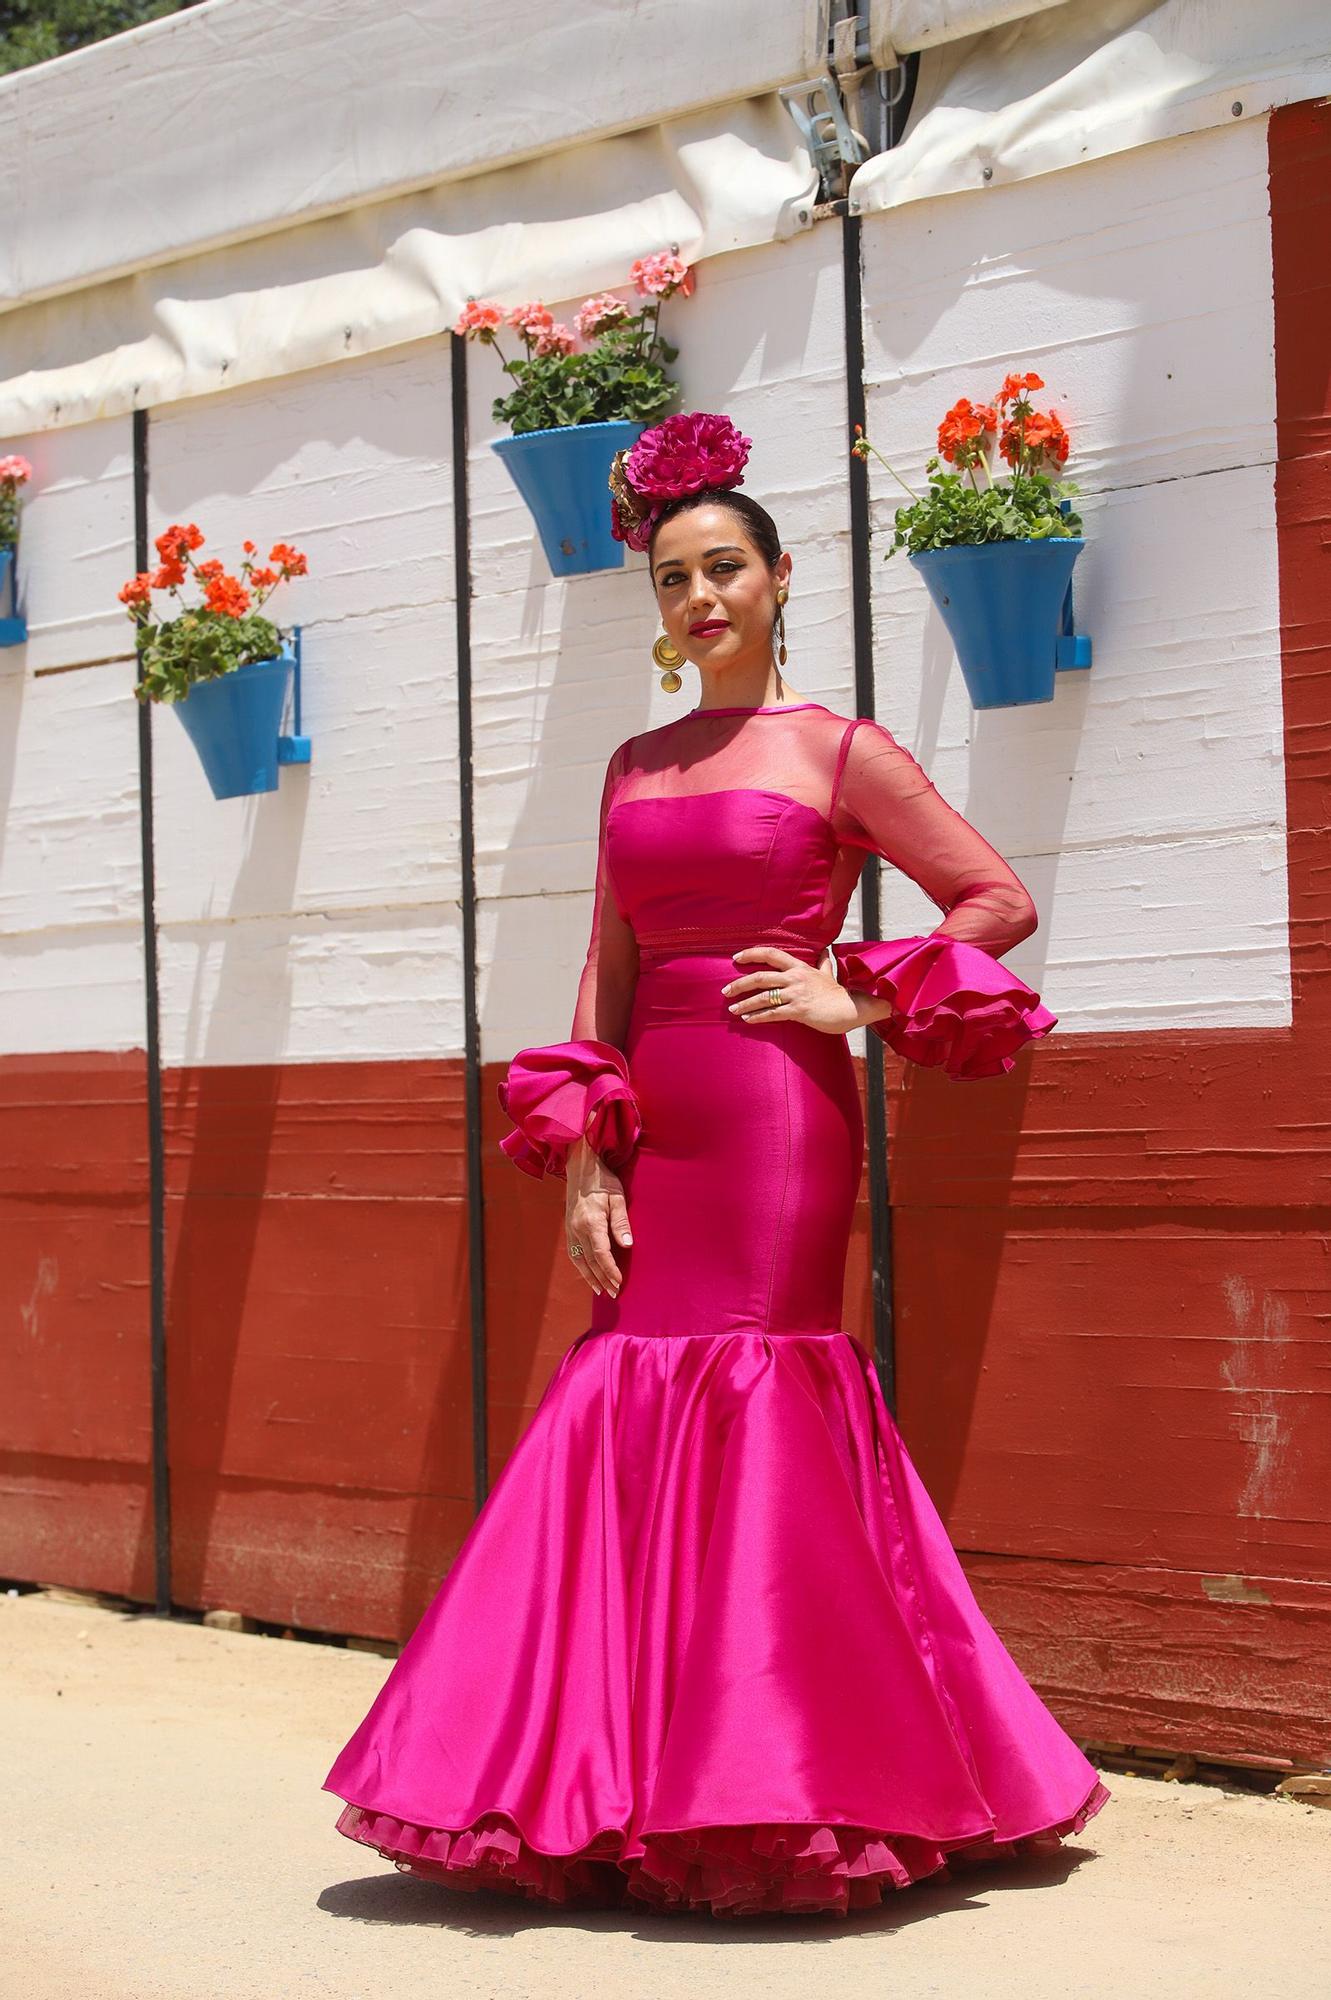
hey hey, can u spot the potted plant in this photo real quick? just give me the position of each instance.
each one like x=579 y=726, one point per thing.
x=996 y=554
x=573 y=408
x=14 y=472
x=219 y=663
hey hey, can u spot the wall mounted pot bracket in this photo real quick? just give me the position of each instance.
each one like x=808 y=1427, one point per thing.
x=13 y=626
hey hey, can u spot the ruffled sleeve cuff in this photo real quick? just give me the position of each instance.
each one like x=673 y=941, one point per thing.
x=563 y=1093
x=954 y=1006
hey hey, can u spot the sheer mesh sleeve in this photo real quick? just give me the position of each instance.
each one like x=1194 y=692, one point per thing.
x=610 y=970
x=953 y=1006
x=885 y=801
x=581 y=1088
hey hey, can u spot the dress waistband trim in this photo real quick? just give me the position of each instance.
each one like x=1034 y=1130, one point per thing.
x=733 y=937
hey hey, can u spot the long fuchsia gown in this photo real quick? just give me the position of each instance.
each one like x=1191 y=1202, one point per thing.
x=707 y=1644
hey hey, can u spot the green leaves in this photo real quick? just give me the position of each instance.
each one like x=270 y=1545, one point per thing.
x=198 y=646
x=955 y=514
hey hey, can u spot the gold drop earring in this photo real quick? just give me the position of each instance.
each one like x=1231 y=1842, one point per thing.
x=781 y=596
x=668 y=657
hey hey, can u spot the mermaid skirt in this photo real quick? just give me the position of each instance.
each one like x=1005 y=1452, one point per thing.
x=708 y=1644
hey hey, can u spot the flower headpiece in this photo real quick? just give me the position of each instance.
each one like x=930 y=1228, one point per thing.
x=688 y=453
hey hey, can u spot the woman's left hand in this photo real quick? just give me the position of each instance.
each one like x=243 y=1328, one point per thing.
x=809 y=993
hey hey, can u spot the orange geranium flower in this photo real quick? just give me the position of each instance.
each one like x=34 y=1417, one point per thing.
x=138 y=590
x=173 y=541
x=228 y=595
x=290 y=561
x=1015 y=388
x=169 y=575
x=1041 y=435
x=962 y=433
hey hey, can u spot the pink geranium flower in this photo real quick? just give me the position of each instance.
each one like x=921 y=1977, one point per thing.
x=532 y=318
x=479 y=316
x=16 y=468
x=660 y=275
x=686 y=452
x=605 y=309
x=555 y=339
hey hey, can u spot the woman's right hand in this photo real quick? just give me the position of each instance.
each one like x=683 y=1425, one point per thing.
x=595 y=1216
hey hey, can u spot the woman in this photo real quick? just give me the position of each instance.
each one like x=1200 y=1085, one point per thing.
x=707 y=1644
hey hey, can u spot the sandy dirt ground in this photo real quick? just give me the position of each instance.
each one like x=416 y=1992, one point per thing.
x=168 y=1839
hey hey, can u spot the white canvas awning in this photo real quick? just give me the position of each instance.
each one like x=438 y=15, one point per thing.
x=1075 y=80
x=239 y=191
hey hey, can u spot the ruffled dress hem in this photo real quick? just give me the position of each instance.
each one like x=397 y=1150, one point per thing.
x=724 y=1870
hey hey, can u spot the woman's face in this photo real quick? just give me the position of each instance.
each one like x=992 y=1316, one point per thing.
x=707 y=573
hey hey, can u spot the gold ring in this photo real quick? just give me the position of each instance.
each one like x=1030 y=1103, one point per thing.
x=575 y=1249
x=774 y=996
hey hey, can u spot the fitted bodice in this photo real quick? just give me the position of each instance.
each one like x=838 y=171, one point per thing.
x=737 y=865
x=737 y=826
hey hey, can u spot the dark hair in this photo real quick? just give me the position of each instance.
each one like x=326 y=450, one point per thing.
x=762 y=529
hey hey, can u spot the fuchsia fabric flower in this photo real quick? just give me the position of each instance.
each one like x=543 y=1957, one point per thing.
x=686 y=453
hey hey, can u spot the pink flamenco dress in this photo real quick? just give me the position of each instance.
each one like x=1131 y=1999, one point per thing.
x=707 y=1645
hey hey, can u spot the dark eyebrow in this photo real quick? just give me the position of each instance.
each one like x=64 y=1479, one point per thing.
x=722 y=548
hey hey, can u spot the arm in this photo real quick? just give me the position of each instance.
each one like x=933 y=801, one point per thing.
x=567 y=1092
x=610 y=970
x=940 y=999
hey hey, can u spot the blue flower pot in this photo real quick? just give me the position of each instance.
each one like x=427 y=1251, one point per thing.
x=1007 y=608
x=563 y=476
x=233 y=723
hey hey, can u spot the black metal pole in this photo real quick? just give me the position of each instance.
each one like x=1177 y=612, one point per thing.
x=161 y=1465
x=471 y=1017
x=880 y=1204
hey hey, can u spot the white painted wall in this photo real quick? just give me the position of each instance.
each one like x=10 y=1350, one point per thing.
x=71 y=950
x=1144 y=806
x=322 y=920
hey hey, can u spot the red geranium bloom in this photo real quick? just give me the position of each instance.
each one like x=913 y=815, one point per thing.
x=175 y=540
x=228 y=595
x=1043 y=434
x=963 y=430
x=1016 y=387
